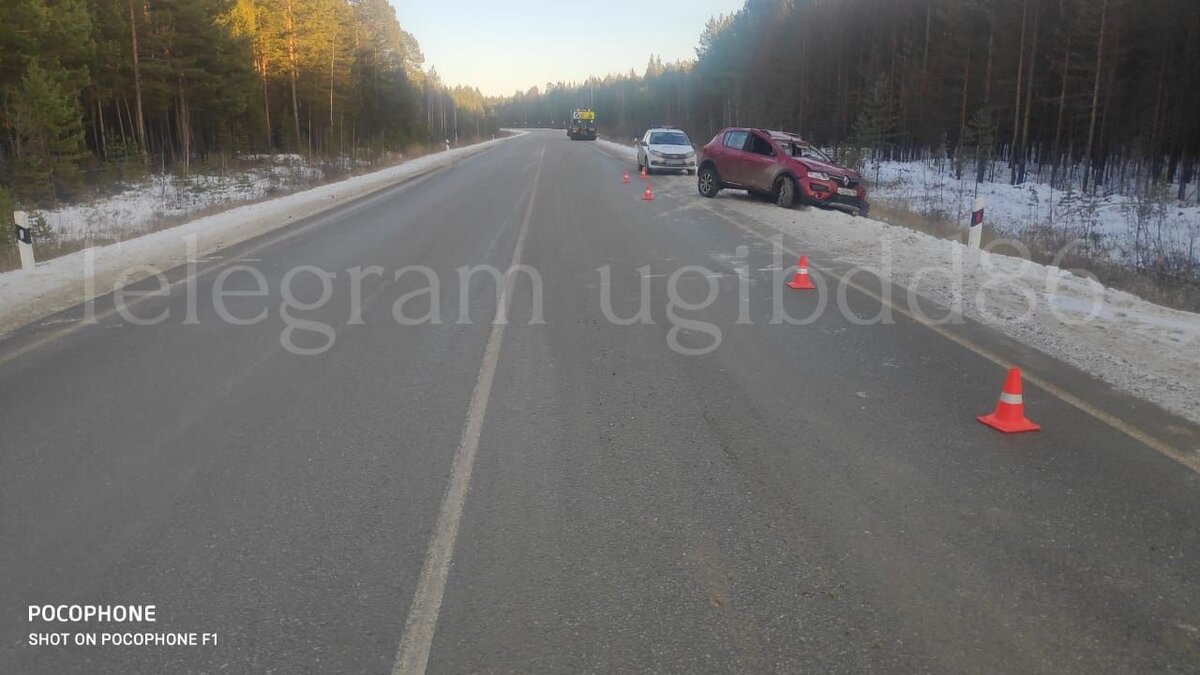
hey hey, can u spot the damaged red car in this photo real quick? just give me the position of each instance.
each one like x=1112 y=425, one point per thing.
x=781 y=166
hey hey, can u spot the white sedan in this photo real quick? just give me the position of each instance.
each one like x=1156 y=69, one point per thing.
x=666 y=150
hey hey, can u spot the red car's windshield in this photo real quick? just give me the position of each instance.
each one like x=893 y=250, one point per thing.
x=804 y=151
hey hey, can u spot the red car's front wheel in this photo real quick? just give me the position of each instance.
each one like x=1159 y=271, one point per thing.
x=785 y=192
x=709 y=183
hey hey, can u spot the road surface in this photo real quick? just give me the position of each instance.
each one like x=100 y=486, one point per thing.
x=558 y=492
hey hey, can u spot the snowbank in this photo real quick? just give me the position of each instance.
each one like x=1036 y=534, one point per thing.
x=618 y=148
x=26 y=296
x=144 y=204
x=1144 y=349
x=1115 y=224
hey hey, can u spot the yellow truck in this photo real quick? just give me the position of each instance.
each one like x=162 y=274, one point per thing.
x=583 y=125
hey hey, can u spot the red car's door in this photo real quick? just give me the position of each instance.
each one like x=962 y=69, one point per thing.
x=758 y=164
x=730 y=155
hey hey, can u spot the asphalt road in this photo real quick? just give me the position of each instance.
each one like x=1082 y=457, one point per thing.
x=568 y=494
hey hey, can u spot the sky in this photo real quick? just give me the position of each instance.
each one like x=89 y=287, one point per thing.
x=504 y=46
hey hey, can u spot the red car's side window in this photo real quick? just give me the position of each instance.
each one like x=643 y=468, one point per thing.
x=760 y=146
x=736 y=140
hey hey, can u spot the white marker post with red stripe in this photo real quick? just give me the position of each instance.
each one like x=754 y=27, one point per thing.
x=975 y=233
x=24 y=239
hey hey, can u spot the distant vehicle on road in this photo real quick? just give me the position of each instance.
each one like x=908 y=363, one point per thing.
x=667 y=149
x=583 y=125
x=780 y=165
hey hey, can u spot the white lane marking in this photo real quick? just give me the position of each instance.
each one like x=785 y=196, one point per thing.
x=412 y=657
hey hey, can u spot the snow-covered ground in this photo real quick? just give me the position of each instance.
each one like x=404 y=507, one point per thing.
x=1113 y=225
x=1149 y=351
x=149 y=203
x=28 y=295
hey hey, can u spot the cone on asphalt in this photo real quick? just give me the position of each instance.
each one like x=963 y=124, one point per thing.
x=625 y=178
x=801 y=281
x=647 y=196
x=1009 y=415
x=644 y=172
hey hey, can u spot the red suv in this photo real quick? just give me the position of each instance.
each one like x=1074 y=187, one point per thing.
x=779 y=165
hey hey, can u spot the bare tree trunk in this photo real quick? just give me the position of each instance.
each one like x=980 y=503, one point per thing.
x=1152 y=151
x=267 y=103
x=1185 y=177
x=991 y=58
x=1029 y=94
x=962 y=116
x=137 y=77
x=1012 y=147
x=1062 y=105
x=102 y=135
x=924 y=68
x=183 y=125
x=1099 y=176
x=1087 y=153
x=292 y=65
x=121 y=118
x=332 y=58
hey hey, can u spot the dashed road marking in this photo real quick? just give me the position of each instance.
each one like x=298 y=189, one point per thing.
x=412 y=657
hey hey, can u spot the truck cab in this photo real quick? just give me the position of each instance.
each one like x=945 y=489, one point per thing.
x=583 y=125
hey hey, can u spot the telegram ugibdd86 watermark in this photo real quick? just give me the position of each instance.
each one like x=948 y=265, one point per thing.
x=310 y=305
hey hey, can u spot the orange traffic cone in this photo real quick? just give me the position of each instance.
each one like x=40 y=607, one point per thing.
x=625 y=178
x=643 y=172
x=1009 y=415
x=648 y=196
x=801 y=281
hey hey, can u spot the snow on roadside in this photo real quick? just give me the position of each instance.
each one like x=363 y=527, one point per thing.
x=29 y=295
x=617 y=147
x=1113 y=223
x=1150 y=351
x=1147 y=350
x=143 y=204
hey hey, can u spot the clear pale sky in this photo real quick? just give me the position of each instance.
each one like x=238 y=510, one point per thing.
x=508 y=45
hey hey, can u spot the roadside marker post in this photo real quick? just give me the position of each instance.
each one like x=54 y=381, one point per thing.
x=975 y=233
x=24 y=239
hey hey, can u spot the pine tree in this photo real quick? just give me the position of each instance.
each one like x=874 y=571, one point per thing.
x=876 y=125
x=979 y=143
x=48 y=131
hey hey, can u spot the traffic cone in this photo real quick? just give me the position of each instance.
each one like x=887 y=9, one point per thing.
x=644 y=172
x=625 y=178
x=801 y=281
x=1009 y=415
x=648 y=196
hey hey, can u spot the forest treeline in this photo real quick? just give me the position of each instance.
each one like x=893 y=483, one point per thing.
x=1090 y=87
x=88 y=87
